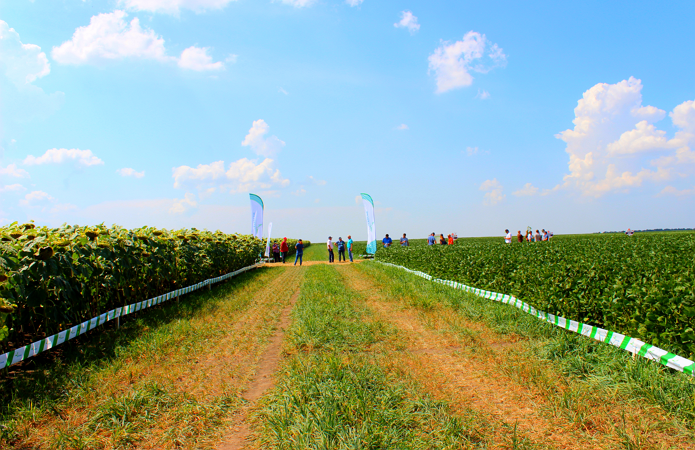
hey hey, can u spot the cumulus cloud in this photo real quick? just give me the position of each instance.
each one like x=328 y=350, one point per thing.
x=268 y=147
x=197 y=59
x=12 y=188
x=83 y=158
x=23 y=63
x=298 y=3
x=472 y=151
x=128 y=172
x=354 y=2
x=316 y=181
x=243 y=175
x=36 y=198
x=493 y=192
x=408 y=21
x=482 y=95
x=527 y=190
x=110 y=37
x=402 y=127
x=614 y=140
x=13 y=171
x=174 y=6
x=452 y=64
x=181 y=205
x=670 y=190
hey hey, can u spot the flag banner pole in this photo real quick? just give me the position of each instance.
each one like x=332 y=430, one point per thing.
x=256 y=216
x=267 y=244
x=371 y=229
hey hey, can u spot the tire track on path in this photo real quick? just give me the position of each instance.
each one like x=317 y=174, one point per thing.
x=433 y=357
x=263 y=379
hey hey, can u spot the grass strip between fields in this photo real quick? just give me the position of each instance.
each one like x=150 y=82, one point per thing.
x=335 y=389
x=597 y=387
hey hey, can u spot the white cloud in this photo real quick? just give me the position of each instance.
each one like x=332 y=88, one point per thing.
x=402 y=127
x=184 y=204
x=36 y=198
x=13 y=171
x=59 y=155
x=493 y=192
x=316 y=181
x=483 y=95
x=242 y=176
x=409 y=21
x=614 y=138
x=195 y=58
x=174 y=6
x=268 y=147
x=299 y=192
x=670 y=190
x=298 y=3
x=527 y=190
x=128 y=172
x=110 y=37
x=232 y=58
x=452 y=63
x=472 y=151
x=283 y=91
x=354 y=2
x=23 y=63
x=12 y=188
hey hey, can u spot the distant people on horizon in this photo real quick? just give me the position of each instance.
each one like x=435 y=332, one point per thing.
x=538 y=236
x=507 y=237
x=404 y=241
x=442 y=241
x=349 y=246
x=450 y=239
x=456 y=236
x=300 y=252
x=545 y=235
x=387 y=241
x=341 y=249
x=329 y=246
x=276 y=252
x=519 y=237
x=629 y=232
x=284 y=249
x=431 y=239
x=529 y=235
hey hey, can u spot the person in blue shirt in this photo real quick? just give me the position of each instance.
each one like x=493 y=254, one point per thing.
x=349 y=246
x=341 y=249
x=387 y=241
x=431 y=239
x=404 y=241
x=300 y=252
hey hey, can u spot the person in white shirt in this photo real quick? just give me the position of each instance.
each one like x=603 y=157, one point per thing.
x=508 y=237
x=329 y=245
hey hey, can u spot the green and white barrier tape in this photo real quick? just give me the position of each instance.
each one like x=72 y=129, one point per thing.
x=632 y=345
x=22 y=353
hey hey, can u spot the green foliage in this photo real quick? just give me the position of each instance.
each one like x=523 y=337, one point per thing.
x=51 y=279
x=642 y=286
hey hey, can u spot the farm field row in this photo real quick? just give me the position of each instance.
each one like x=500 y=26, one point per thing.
x=342 y=356
x=641 y=286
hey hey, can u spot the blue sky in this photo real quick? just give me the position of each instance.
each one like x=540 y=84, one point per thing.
x=470 y=117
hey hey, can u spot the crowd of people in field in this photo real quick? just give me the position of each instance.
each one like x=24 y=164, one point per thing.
x=431 y=240
x=529 y=236
x=280 y=251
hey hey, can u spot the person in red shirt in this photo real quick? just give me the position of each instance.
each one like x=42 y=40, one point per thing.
x=284 y=249
x=451 y=240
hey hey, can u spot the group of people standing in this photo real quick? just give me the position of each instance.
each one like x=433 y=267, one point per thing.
x=341 y=246
x=280 y=251
x=540 y=236
x=387 y=241
x=449 y=240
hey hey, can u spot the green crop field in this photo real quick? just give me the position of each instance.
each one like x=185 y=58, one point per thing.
x=642 y=286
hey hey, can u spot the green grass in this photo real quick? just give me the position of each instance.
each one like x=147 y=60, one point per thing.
x=335 y=391
x=587 y=367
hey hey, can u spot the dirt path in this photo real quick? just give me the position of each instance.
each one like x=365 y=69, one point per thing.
x=438 y=359
x=261 y=382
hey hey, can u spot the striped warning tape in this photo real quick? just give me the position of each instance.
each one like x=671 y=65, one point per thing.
x=22 y=353
x=630 y=344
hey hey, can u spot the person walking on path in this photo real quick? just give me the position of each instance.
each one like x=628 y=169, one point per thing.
x=451 y=239
x=507 y=237
x=341 y=249
x=349 y=246
x=431 y=239
x=276 y=252
x=329 y=246
x=284 y=249
x=404 y=241
x=300 y=252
